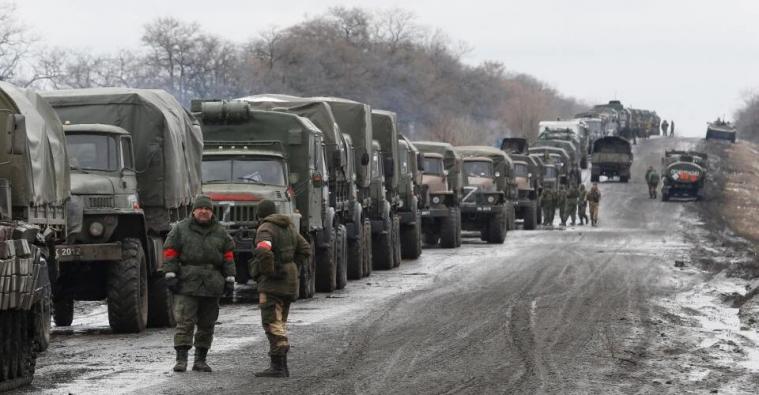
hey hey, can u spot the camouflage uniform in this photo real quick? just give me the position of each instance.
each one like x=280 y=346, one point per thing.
x=280 y=250
x=582 y=204
x=594 y=199
x=201 y=256
x=548 y=201
x=652 y=179
x=561 y=201
x=571 y=203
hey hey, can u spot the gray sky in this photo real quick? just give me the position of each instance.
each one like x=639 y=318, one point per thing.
x=691 y=60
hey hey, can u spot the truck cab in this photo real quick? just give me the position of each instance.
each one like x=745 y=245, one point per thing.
x=442 y=181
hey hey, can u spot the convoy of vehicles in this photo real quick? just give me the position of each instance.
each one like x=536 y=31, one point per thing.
x=612 y=157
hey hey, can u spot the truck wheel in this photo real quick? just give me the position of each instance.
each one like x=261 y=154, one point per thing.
x=382 y=247
x=411 y=240
x=448 y=229
x=355 y=252
x=341 y=246
x=484 y=235
x=42 y=312
x=530 y=217
x=306 y=286
x=17 y=357
x=538 y=212
x=497 y=229
x=458 y=227
x=128 y=289
x=664 y=197
x=63 y=311
x=623 y=179
x=368 y=257
x=326 y=265
x=160 y=304
x=396 y=241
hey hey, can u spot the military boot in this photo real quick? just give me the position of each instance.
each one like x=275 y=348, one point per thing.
x=200 y=364
x=277 y=367
x=181 y=365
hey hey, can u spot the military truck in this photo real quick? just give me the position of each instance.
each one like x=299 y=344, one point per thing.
x=558 y=157
x=489 y=192
x=442 y=187
x=721 y=130
x=34 y=189
x=683 y=174
x=528 y=175
x=409 y=189
x=612 y=157
x=251 y=155
x=574 y=130
x=135 y=157
x=564 y=141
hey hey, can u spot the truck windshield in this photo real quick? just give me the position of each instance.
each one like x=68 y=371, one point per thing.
x=244 y=170
x=520 y=170
x=92 y=152
x=478 y=168
x=433 y=166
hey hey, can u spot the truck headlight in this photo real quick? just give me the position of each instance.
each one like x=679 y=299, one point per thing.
x=491 y=199
x=436 y=200
x=96 y=229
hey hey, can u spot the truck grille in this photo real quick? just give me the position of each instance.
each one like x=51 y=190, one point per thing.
x=100 y=202
x=228 y=213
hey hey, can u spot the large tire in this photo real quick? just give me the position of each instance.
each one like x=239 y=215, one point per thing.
x=160 y=304
x=497 y=228
x=396 y=241
x=411 y=240
x=368 y=260
x=326 y=265
x=341 y=251
x=530 y=216
x=449 y=227
x=307 y=283
x=128 y=289
x=355 y=252
x=63 y=311
x=42 y=312
x=382 y=247
x=17 y=356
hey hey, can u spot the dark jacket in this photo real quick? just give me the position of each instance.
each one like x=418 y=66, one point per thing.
x=202 y=255
x=280 y=251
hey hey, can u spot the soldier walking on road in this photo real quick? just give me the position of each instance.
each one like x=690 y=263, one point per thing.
x=664 y=127
x=549 y=206
x=200 y=268
x=594 y=199
x=582 y=204
x=672 y=129
x=572 y=196
x=652 y=179
x=561 y=201
x=280 y=251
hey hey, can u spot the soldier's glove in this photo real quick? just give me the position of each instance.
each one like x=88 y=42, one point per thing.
x=172 y=282
x=229 y=285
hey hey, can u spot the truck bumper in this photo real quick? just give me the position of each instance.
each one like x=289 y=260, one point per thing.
x=107 y=252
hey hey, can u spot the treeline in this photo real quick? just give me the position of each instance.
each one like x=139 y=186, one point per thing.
x=384 y=58
x=747 y=119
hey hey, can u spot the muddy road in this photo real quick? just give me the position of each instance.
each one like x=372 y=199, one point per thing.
x=575 y=310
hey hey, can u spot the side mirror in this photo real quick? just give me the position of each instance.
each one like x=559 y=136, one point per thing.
x=420 y=161
x=389 y=168
x=317 y=180
x=16 y=138
x=364 y=159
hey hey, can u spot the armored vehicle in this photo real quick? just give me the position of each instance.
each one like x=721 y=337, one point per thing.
x=251 y=155
x=683 y=174
x=489 y=192
x=135 y=156
x=721 y=130
x=34 y=189
x=409 y=189
x=612 y=157
x=442 y=185
x=528 y=176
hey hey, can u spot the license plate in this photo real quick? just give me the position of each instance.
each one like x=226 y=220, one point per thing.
x=425 y=212
x=484 y=208
x=68 y=251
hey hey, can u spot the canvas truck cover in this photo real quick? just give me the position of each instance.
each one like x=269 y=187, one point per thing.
x=168 y=144
x=385 y=130
x=41 y=175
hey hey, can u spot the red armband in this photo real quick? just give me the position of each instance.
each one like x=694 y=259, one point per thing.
x=264 y=245
x=170 y=253
x=229 y=256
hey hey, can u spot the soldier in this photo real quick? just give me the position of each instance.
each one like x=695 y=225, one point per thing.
x=652 y=179
x=572 y=195
x=672 y=128
x=594 y=198
x=548 y=201
x=561 y=201
x=200 y=268
x=280 y=251
x=582 y=204
x=664 y=127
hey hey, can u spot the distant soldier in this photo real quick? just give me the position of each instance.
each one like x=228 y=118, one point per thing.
x=652 y=179
x=200 y=268
x=280 y=250
x=672 y=128
x=548 y=201
x=594 y=199
x=582 y=205
x=572 y=196
x=664 y=127
x=561 y=201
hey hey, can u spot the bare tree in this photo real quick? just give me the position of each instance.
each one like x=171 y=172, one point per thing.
x=171 y=44
x=15 y=41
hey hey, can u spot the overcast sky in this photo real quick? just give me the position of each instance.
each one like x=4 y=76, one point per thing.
x=689 y=60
